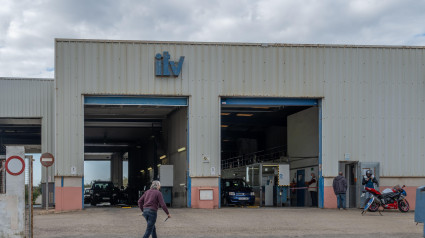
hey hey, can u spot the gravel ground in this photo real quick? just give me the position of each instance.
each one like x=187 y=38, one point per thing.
x=228 y=222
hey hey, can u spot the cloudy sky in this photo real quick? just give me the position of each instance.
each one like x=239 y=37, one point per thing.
x=28 y=27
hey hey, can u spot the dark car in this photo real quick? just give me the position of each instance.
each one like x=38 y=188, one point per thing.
x=103 y=191
x=236 y=191
x=87 y=195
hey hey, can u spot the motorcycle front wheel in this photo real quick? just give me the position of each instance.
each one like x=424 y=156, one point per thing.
x=373 y=207
x=403 y=205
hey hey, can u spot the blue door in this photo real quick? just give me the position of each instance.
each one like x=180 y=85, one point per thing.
x=300 y=192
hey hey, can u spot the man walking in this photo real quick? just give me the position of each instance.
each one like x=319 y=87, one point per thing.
x=149 y=203
x=340 y=188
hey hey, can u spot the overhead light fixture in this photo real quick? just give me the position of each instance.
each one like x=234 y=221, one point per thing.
x=159 y=165
x=224 y=126
x=150 y=168
x=181 y=149
x=244 y=115
x=142 y=171
x=225 y=113
x=226 y=140
x=163 y=157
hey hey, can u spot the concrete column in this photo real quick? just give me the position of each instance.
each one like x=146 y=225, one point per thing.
x=136 y=179
x=116 y=169
x=12 y=204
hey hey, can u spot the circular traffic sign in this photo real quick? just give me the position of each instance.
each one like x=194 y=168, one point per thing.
x=15 y=165
x=47 y=159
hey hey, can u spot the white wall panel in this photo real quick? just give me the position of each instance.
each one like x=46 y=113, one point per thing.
x=373 y=97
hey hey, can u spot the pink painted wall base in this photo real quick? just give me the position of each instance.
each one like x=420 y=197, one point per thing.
x=68 y=198
x=206 y=204
x=330 y=200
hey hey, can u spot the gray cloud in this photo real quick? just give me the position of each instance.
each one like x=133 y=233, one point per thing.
x=28 y=28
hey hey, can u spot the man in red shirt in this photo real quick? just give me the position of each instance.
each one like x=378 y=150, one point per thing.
x=149 y=203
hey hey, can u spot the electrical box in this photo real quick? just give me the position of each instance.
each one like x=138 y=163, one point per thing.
x=420 y=206
x=166 y=175
x=166 y=178
x=284 y=175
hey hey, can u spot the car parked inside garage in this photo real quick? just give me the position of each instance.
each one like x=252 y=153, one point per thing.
x=236 y=192
x=103 y=191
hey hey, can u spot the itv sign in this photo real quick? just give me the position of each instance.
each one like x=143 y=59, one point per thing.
x=163 y=65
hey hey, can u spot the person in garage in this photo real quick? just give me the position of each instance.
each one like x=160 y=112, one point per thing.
x=312 y=188
x=340 y=188
x=149 y=204
x=369 y=181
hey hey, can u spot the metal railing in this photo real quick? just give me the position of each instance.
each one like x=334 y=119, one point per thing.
x=2 y=176
x=257 y=157
x=29 y=226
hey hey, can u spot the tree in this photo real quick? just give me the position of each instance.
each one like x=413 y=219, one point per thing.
x=125 y=182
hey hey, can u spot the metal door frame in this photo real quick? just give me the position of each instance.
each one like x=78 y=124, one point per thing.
x=147 y=100
x=342 y=166
x=281 y=101
x=360 y=187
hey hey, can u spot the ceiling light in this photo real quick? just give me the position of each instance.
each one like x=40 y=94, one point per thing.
x=224 y=125
x=159 y=165
x=162 y=157
x=181 y=149
x=150 y=168
x=225 y=113
x=244 y=115
x=142 y=171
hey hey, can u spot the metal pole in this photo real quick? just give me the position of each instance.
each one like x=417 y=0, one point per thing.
x=47 y=188
x=261 y=184
x=32 y=187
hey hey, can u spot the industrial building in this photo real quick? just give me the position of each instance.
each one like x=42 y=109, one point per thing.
x=215 y=110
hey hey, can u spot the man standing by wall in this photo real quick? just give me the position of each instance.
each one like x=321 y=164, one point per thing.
x=340 y=188
x=312 y=188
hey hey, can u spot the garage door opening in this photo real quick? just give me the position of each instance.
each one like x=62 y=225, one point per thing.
x=20 y=131
x=260 y=137
x=144 y=133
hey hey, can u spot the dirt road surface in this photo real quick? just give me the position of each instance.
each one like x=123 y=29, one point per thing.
x=228 y=222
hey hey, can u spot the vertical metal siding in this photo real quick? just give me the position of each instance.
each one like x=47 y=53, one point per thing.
x=374 y=109
x=30 y=98
x=373 y=97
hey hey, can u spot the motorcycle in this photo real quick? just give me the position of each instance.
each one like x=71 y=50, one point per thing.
x=394 y=199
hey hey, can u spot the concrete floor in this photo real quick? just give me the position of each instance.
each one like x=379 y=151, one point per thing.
x=228 y=222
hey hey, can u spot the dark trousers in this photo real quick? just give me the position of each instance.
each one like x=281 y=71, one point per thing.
x=313 y=195
x=150 y=216
x=341 y=200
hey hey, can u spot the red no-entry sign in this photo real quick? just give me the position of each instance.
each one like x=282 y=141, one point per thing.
x=15 y=165
x=47 y=159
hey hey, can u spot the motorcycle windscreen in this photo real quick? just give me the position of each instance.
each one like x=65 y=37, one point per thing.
x=369 y=204
x=363 y=167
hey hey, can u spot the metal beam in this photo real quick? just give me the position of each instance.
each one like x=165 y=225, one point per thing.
x=121 y=124
x=147 y=101
x=97 y=149
x=268 y=101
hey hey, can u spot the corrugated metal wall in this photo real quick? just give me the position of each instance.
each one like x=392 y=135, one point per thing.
x=30 y=98
x=176 y=131
x=373 y=104
x=374 y=108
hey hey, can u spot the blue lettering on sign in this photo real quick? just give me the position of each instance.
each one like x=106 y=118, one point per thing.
x=163 y=65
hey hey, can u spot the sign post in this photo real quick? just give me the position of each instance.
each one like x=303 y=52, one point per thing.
x=47 y=160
